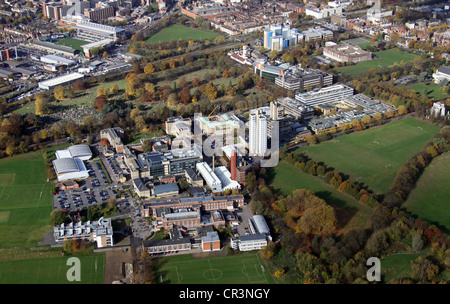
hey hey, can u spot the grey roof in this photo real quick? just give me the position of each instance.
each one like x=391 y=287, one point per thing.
x=140 y=184
x=252 y=237
x=261 y=224
x=80 y=150
x=65 y=165
x=444 y=69
x=166 y=188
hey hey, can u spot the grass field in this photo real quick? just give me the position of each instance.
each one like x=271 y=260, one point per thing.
x=431 y=89
x=386 y=59
x=238 y=269
x=374 y=156
x=351 y=213
x=25 y=200
x=176 y=32
x=430 y=199
x=73 y=43
x=52 y=270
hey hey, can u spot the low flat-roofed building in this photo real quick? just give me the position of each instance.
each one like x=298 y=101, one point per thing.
x=60 y=81
x=166 y=190
x=346 y=53
x=81 y=151
x=57 y=60
x=211 y=242
x=249 y=242
x=70 y=168
x=53 y=47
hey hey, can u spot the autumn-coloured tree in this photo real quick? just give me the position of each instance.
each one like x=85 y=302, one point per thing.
x=100 y=101
x=149 y=68
x=211 y=91
x=59 y=93
x=41 y=104
x=196 y=81
x=185 y=95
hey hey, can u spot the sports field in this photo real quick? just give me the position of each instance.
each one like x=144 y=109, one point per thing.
x=238 y=269
x=25 y=200
x=384 y=59
x=52 y=270
x=430 y=199
x=73 y=43
x=176 y=32
x=374 y=156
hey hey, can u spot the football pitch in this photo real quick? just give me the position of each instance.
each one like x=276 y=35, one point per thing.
x=374 y=156
x=25 y=200
x=176 y=32
x=52 y=270
x=237 y=269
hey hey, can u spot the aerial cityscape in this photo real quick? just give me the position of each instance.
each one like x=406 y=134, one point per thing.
x=240 y=142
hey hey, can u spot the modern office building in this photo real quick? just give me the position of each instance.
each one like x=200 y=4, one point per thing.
x=174 y=162
x=257 y=142
x=218 y=124
x=304 y=79
x=331 y=94
x=279 y=36
x=442 y=74
x=266 y=70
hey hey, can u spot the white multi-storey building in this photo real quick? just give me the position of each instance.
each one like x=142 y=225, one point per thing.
x=331 y=94
x=279 y=36
x=257 y=142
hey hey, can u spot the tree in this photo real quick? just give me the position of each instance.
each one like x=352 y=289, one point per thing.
x=114 y=89
x=147 y=146
x=273 y=54
x=59 y=93
x=149 y=68
x=41 y=104
x=402 y=110
x=57 y=217
x=417 y=243
x=102 y=91
x=423 y=270
x=100 y=101
x=211 y=91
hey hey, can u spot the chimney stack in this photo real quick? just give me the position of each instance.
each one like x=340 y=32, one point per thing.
x=233 y=165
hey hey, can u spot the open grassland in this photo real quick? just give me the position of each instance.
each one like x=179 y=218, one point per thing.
x=374 y=156
x=430 y=199
x=350 y=213
x=52 y=270
x=383 y=59
x=25 y=200
x=238 y=269
x=176 y=32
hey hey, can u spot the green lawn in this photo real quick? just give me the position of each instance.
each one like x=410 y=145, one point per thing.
x=73 y=43
x=176 y=32
x=52 y=270
x=25 y=201
x=386 y=58
x=237 y=269
x=431 y=89
x=350 y=213
x=430 y=199
x=374 y=156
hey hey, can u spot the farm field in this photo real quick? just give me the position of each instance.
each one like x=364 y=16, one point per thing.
x=374 y=156
x=386 y=59
x=176 y=32
x=350 y=213
x=238 y=269
x=25 y=200
x=429 y=200
x=52 y=270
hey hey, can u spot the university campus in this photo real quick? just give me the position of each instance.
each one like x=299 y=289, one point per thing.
x=239 y=142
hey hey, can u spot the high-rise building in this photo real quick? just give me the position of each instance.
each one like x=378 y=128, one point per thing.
x=279 y=36
x=257 y=133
